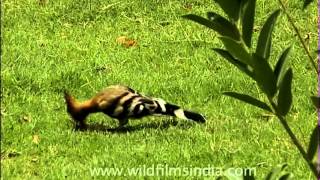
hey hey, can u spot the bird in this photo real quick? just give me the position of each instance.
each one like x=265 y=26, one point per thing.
x=123 y=103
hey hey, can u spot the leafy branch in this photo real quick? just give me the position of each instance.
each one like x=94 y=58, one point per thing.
x=275 y=82
x=299 y=34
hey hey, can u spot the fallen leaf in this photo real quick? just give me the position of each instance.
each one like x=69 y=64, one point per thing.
x=26 y=119
x=187 y=6
x=34 y=159
x=126 y=42
x=35 y=139
x=42 y=2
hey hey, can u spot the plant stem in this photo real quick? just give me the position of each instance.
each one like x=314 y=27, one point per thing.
x=281 y=118
x=299 y=36
x=294 y=139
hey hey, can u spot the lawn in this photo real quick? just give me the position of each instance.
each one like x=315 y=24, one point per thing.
x=50 y=46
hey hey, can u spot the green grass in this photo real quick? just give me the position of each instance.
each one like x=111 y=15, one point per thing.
x=72 y=45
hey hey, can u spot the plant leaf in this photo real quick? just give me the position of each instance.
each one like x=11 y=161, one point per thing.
x=276 y=171
x=200 y=20
x=248 y=175
x=219 y=25
x=237 y=50
x=316 y=101
x=265 y=37
x=248 y=99
x=225 y=25
x=232 y=174
x=226 y=55
x=281 y=66
x=313 y=144
x=285 y=176
x=248 y=21
x=230 y=7
x=306 y=3
x=264 y=75
x=285 y=94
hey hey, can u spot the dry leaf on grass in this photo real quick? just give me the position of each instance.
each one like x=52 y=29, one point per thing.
x=35 y=139
x=126 y=42
x=35 y=159
x=26 y=119
x=187 y=7
x=43 y=2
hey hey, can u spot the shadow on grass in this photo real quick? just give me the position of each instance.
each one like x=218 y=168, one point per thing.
x=161 y=125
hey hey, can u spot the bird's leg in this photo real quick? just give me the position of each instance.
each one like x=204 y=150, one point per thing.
x=122 y=123
x=80 y=125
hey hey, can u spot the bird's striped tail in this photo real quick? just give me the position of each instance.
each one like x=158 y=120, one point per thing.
x=174 y=110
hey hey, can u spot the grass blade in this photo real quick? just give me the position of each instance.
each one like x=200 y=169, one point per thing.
x=230 y=7
x=264 y=41
x=313 y=144
x=237 y=50
x=248 y=21
x=218 y=25
x=285 y=94
x=248 y=99
x=276 y=171
x=281 y=66
x=226 y=55
x=264 y=75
